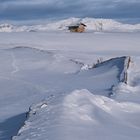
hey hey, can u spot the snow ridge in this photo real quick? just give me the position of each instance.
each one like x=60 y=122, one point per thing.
x=77 y=111
x=80 y=114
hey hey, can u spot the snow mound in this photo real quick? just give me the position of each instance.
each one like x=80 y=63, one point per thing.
x=82 y=114
x=99 y=25
x=6 y=27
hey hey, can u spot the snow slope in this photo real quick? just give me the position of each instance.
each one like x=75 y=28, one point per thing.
x=82 y=115
x=105 y=25
x=54 y=69
x=41 y=71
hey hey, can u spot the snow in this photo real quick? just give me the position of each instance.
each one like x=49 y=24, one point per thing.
x=50 y=75
x=82 y=115
x=93 y=25
x=130 y=92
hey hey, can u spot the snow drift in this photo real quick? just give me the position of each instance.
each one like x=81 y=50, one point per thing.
x=50 y=75
x=32 y=65
x=80 y=115
x=73 y=89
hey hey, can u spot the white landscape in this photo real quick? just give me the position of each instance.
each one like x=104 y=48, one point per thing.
x=58 y=85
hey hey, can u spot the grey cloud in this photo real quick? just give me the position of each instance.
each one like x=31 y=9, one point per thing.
x=38 y=9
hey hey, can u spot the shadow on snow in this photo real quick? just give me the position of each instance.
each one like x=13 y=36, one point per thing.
x=10 y=127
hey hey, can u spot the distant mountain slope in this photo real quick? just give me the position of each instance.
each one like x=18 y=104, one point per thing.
x=106 y=25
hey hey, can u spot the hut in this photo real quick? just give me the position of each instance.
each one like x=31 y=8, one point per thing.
x=77 y=28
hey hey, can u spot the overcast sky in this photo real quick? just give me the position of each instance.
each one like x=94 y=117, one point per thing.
x=40 y=9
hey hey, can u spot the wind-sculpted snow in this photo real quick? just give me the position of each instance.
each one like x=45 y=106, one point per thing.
x=32 y=75
x=122 y=64
x=43 y=74
x=29 y=75
x=33 y=65
x=131 y=91
x=80 y=115
x=96 y=25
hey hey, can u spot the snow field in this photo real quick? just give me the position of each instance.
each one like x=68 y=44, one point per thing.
x=54 y=69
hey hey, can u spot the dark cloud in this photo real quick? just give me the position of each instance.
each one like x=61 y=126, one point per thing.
x=39 y=9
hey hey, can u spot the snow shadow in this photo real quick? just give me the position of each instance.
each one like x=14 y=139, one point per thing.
x=10 y=127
